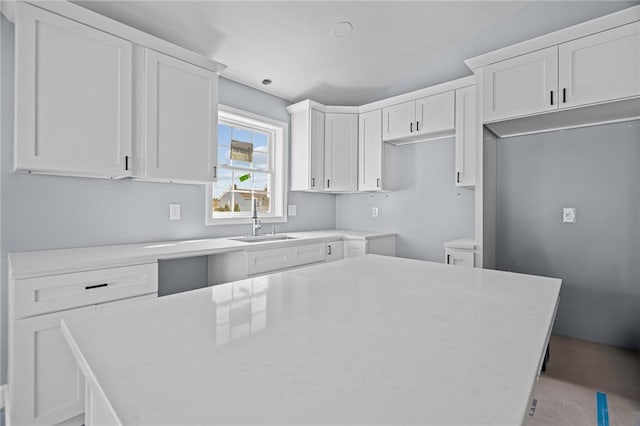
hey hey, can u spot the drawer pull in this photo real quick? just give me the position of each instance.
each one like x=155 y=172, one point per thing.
x=91 y=287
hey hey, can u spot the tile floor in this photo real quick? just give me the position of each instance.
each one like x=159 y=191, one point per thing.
x=577 y=369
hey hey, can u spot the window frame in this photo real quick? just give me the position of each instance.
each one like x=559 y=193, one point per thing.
x=279 y=167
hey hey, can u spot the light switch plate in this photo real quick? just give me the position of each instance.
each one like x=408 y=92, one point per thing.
x=174 y=211
x=291 y=209
x=569 y=215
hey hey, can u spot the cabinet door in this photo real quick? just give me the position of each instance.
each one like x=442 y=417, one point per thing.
x=398 y=121
x=341 y=152
x=261 y=261
x=435 y=114
x=307 y=253
x=355 y=248
x=316 y=149
x=459 y=257
x=334 y=251
x=522 y=85
x=73 y=97
x=600 y=67
x=370 y=151
x=46 y=385
x=466 y=134
x=181 y=120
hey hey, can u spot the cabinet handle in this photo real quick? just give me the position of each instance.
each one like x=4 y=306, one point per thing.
x=378 y=182
x=329 y=249
x=417 y=126
x=91 y=287
x=457 y=177
x=552 y=97
x=313 y=182
x=215 y=172
x=410 y=127
x=328 y=183
x=448 y=259
x=564 y=95
x=126 y=162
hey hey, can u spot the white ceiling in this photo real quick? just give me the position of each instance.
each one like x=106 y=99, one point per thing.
x=395 y=46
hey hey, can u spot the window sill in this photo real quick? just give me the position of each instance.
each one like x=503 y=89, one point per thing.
x=245 y=221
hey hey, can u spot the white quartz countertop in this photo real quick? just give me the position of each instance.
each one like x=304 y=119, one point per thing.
x=366 y=340
x=58 y=261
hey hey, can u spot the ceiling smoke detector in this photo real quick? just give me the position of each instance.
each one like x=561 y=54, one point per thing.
x=342 y=29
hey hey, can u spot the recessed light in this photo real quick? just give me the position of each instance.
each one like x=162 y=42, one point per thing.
x=342 y=29
x=266 y=81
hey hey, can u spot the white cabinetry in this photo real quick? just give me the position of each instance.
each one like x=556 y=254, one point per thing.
x=370 y=151
x=460 y=252
x=180 y=113
x=431 y=116
x=334 y=251
x=466 y=135
x=274 y=259
x=598 y=68
x=382 y=245
x=341 y=152
x=45 y=385
x=307 y=147
x=523 y=85
x=73 y=97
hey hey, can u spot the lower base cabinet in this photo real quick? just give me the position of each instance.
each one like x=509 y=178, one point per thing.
x=46 y=386
x=460 y=252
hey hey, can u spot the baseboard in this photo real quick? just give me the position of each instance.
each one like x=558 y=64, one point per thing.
x=3 y=393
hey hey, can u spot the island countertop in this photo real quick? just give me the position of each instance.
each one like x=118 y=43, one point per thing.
x=367 y=340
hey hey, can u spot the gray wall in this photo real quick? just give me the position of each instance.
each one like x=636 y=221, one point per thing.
x=425 y=209
x=597 y=170
x=43 y=212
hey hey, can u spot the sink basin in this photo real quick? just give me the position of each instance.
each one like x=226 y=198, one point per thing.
x=262 y=238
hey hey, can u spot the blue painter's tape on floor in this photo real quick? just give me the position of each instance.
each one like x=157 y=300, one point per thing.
x=603 y=409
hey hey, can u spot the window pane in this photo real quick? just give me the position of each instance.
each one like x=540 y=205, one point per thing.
x=222 y=197
x=223 y=154
x=260 y=161
x=260 y=142
x=241 y=135
x=224 y=134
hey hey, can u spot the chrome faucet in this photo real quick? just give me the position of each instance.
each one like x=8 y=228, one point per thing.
x=256 y=225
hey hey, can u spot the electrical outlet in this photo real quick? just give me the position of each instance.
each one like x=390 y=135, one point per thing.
x=174 y=211
x=569 y=215
x=374 y=212
x=291 y=209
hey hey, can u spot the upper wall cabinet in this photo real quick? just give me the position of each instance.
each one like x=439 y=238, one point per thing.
x=73 y=97
x=466 y=135
x=180 y=121
x=370 y=151
x=523 y=85
x=431 y=116
x=307 y=147
x=598 y=68
x=341 y=152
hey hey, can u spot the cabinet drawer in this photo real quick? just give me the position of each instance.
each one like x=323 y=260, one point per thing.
x=35 y=296
x=268 y=260
x=308 y=253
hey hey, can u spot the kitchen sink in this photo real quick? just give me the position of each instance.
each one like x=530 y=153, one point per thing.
x=262 y=238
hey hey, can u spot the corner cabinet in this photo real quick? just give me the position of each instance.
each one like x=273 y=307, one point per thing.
x=307 y=147
x=341 y=152
x=73 y=97
x=180 y=121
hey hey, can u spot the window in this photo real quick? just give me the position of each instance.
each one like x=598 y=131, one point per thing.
x=251 y=169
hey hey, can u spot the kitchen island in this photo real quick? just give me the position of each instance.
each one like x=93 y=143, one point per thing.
x=367 y=340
